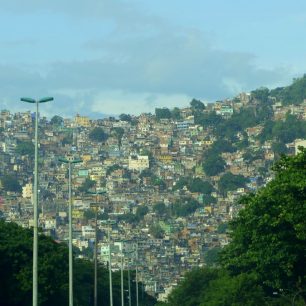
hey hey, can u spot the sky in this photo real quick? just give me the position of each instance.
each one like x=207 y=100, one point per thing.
x=107 y=57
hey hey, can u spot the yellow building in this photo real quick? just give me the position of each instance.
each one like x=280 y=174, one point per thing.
x=82 y=121
x=27 y=191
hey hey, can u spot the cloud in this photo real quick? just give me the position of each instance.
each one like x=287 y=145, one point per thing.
x=141 y=63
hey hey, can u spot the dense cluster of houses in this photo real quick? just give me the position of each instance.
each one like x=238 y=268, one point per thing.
x=136 y=168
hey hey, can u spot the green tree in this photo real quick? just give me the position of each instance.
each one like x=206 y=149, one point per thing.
x=98 y=135
x=25 y=148
x=197 y=105
x=141 y=211
x=230 y=182
x=269 y=235
x=160 y=209
x=10 y=183
x=162 y=113
x=57 y=120
x=198 y=185
x=156 y=231
x=125 y=117
x=119 y=132
x=86 y=185
x=176 y=113
x=213 y=165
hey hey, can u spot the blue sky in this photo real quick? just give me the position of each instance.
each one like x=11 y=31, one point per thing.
x=111 y=57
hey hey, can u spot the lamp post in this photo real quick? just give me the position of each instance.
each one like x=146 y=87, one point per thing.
x=35 y=200
x=110 y=222
x=122 y=287
x=70 y=161
x=96 y=247
x=136 y=275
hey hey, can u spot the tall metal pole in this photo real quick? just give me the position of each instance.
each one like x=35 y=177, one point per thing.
x=110 y=268
x=129 y=281
x=96 y=259
x=70 y=242
x=122 y=287
x=136 y=276
x=35 y=199
x=35 y=229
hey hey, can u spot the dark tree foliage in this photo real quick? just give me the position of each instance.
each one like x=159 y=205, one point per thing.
x=176 y=113
x=293 y=94
x=57 y=120
x=185 y=207
x=230 y=182
x=213 y=165
x=208 y=199
x=269 y=235
x=160 y=209
x=210 y=119
x=156 y=231
x=162 y=113
x=112 y=168
x=198 y=185
x=10 y=183
x=141 y=211
x=284 y=131
x=98 y=135
x=197 y=105
x=25 y=148
x=16 y=273
x=86 y=185
x=125 y=117
x=261 y=94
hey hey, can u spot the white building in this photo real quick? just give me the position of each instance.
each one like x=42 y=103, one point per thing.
x=139 y=162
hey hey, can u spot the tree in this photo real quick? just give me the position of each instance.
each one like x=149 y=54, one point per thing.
x=213 y=165
x=119 y=132
x=125 y=117
x=10 y=183
x=269 y=235
x=198 y=185
x=57 y=120
x=185 y=206
x=98 y=135
x=16 y=273
x=176 y=113
x=86 y=185
x=197 y=105
x=230 y=182
x=25 y=148
x=160 y=208
x=141 y=211
x=162 y=113
x=156 y=231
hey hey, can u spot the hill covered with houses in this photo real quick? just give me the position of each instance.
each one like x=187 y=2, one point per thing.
x=172 y=179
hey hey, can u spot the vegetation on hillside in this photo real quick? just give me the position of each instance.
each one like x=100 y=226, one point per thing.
x=264 y=264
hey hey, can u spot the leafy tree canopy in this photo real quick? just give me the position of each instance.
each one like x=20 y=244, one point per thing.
x=10 y=183
x=25 y=148
x=162 y=113
x=269 y=235
x=87 y=184
x=57 y=120
x=230 y=182
x=125 y=117
x=98 y=135
x=198 y=185
x=197 y=105
x=213 y=165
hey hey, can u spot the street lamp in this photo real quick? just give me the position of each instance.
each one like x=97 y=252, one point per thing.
x=96 y=193
x=70 y=161
x=110 y=222
x=35 y=199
